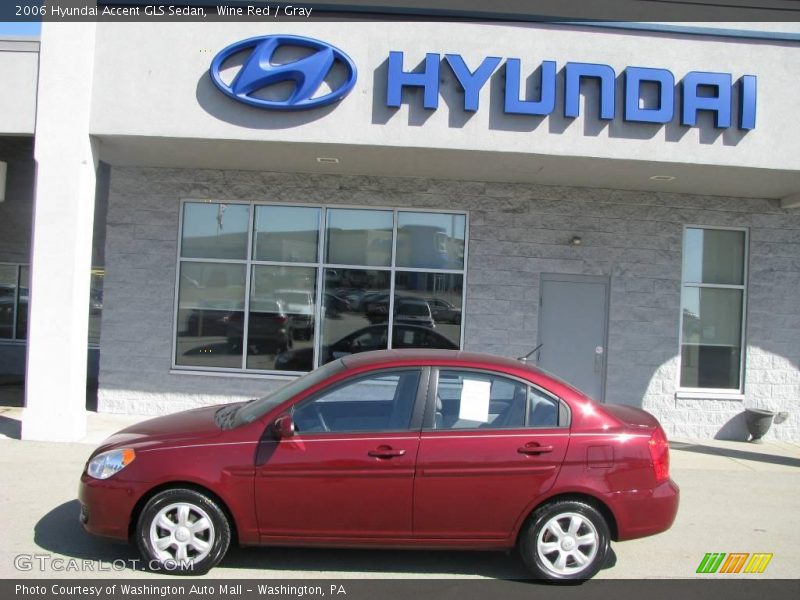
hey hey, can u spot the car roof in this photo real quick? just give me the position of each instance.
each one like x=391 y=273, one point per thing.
x=426 y=356
x=458 y=358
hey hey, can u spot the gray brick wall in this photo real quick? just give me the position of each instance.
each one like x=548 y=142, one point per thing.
x=517 y=232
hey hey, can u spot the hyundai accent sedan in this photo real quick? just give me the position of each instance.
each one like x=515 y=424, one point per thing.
x=395 y=448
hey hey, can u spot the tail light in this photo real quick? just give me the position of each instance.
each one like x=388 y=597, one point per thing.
x=659 y=454
x=281 y=319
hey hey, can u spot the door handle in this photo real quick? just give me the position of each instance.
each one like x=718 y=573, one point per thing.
x=385 y=452
x=534 y=448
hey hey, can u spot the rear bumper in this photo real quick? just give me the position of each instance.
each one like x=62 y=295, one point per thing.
x=640 y=513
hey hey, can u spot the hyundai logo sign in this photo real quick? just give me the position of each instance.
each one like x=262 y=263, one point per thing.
x=260 y=72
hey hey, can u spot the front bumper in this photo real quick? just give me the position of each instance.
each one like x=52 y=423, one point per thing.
x=107 y=506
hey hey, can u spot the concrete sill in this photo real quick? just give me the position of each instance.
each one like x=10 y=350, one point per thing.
x=236 y=374
x=688 y=395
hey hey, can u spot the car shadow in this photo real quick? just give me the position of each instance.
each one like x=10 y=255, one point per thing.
x=774 y=459
x=496 y=565
x=60 y=532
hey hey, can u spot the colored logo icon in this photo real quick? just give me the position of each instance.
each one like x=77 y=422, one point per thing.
x=736 y=562
x=309 y=74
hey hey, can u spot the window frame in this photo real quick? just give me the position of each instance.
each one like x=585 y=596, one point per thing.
x=428 y=426
x=417 y=408
x=685 y=391
x=320 y=265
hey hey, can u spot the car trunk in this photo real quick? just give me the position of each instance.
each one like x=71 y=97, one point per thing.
x=631 y=416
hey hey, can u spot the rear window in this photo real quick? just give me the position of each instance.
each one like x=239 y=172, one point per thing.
x=415 y=310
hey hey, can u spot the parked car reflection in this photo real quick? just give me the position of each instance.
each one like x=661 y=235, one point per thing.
x=299 y=306
x=444 y=311
x=369 y=338
x=268 y=330
x=407 y=310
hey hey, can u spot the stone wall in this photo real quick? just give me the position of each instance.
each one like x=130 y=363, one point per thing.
x=517 y=232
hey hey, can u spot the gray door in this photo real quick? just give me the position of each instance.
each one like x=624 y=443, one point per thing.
x=573 y=317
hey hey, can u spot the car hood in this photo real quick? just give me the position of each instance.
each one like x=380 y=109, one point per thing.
x=183 y=426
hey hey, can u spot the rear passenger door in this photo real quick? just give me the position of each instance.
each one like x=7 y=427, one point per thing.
x=490 y=446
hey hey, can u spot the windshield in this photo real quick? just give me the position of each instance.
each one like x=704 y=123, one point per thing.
x=254 y=409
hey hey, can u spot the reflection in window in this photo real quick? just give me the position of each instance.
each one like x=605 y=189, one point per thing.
x=210 y=311
x=302 y=310
x=15 y=300
x=350 y=325
x=8 y=300
x=96 y=304
x=431 y=301
x=213 y=230
x=712 y=333
x=712 y=308
x=430 y=240
x=713 y=256
x=359 y=237
x=282 y=301
x=286 y=234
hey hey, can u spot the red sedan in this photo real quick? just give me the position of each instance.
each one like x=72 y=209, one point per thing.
x=409 y=448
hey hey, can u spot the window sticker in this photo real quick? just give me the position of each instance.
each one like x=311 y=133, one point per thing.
x=475 y=400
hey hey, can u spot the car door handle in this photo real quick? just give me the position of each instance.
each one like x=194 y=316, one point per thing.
x=534 y=448
x=386 y=452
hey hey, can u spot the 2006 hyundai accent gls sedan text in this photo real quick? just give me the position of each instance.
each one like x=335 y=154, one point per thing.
x=408 y=448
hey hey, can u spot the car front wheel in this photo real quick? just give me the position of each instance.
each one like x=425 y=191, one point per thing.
x=565 y=540
x=182 y=531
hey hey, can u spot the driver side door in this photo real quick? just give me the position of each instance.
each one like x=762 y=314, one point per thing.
x=348 y=472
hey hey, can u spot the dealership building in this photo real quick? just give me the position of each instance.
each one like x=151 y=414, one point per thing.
x=212 y=209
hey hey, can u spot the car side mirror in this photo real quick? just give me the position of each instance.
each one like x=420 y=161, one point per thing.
x=283 y=427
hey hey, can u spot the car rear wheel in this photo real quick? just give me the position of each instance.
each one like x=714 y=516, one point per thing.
x=182 y=531
x=565 y=540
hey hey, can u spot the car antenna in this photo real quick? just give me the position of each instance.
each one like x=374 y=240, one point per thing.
x=525 y=358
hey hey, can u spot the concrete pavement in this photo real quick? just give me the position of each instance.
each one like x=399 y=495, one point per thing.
x=735 y=497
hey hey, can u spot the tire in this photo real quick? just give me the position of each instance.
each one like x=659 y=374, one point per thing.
x=576 y=553
x=162 y=519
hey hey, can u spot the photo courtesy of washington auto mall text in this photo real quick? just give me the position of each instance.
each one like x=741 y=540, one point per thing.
x=251 y=589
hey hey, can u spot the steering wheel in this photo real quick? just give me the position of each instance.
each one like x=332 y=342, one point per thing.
x=320 y=418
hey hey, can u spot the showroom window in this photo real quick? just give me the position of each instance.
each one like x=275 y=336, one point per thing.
x=14 y=284
x=713 y=300
x=286 y=288
x=13 y=301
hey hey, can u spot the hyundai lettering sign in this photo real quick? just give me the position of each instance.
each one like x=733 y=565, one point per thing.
x=697 y=91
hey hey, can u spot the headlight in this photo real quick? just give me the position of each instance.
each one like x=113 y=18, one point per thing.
x=108 y=463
